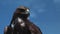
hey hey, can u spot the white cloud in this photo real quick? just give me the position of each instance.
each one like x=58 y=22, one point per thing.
x=56 y=1
x=41 y=10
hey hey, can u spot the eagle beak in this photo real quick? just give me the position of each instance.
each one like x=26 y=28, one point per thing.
x=27 y=11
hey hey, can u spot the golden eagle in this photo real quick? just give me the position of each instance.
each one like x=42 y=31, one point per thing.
x=20 y=23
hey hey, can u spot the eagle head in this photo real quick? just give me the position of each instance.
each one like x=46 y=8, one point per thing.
x=23 y=11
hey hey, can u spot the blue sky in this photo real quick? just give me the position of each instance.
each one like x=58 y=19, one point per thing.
x=44 y=13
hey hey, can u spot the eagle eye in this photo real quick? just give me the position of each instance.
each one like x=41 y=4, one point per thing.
x=21 y=10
